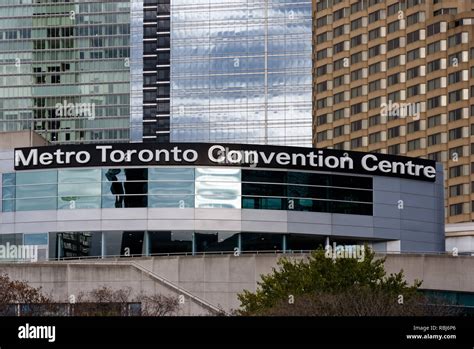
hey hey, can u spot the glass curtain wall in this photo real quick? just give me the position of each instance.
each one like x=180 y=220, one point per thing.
x=181 y=187
x=241 y=71
x=65 y=69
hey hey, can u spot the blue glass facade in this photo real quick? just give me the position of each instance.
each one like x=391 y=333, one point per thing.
x=241 y=71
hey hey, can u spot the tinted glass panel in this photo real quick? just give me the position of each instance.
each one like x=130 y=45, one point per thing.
x=261 y=242
x=304 y=242
x=170 y=242
x=179 y=201
x=35 y=239
x=8 y=179
x=36 y=204
x=218 y=187
x=174 y=174
x=264 y=176
x=36 y=177
x=209 y=242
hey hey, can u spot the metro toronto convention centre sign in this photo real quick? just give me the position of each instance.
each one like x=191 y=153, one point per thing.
x=241 y=155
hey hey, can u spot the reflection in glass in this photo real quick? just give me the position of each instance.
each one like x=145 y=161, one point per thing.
x=170 y=241
x=35 y=239
x=76 y=244
x=219 y=241
x=125 y=187
x=261 y=242
x=78 y=202
x=8 y=179
x=178 y=201
x=171 y=174
x=36 y=177
x=8 y=193
x=79 y=189
x=218 y=188
x=132 y=243
x=8 y=205
x=219 y=73
x=12 y=239
x=171 y=187
x=304 y=242
x=180 y=187
x=263 y=203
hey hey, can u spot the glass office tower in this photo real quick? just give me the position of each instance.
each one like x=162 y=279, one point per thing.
x=153 y=70
x=65 y=69
x=241 y=71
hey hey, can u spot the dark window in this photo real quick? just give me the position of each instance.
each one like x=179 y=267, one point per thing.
x=455 y=190
x=321 y=119
x=413 y=36
x=434 y=139
x=394 y=132
x=356 y=125
x=393 y=44
x=434 y=65
x=374 y=120
x=149 y=79
x=455 y=209
x=413 y=126
x=149 y=63
x=163 y=25
x=454 y=115
x=356 y=142
x=435 y=156
x=413 y=54
x=433 y=29
x=261 y=242
x=394 y=149
x=414 y=144
x=163 y=58
x=149 y=96
x=455 y=171
x=455 y=133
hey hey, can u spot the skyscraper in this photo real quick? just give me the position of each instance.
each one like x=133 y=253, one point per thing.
x=64 y=69
x=145 y=70
x=241 y=71
x=396 y=77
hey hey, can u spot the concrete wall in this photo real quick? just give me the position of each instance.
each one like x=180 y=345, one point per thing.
x=10 y=140
x=61 y=280
x=218 y=279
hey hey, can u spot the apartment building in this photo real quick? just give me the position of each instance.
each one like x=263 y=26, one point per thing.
x=396 y=77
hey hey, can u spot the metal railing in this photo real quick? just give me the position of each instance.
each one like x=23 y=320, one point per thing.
x=222 y=253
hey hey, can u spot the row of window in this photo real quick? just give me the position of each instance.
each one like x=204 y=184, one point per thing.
x=393 y=62
x=432 y=121
x=363 y=5
x=186 y=187
x=392 y=132
x=376 y=102
x=118 y=243
x=461 y=189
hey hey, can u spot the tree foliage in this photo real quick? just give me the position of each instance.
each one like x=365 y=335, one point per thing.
x=101 y=301
x=14 y=291
x=320 y=277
